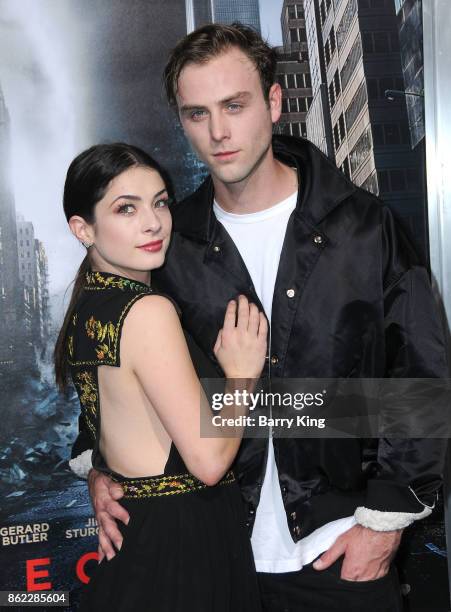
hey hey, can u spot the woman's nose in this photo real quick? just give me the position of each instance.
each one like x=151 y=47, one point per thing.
x=151 y=222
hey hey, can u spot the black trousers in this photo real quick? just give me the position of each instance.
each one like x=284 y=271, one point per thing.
x=311 y=590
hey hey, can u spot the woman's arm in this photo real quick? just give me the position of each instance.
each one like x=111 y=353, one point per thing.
x=153 y=345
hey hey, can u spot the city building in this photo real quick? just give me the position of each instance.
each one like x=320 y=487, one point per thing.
x=10 y=294
x=33 y=272
x=43 y=299
x=410 y=26
x=200 y=12
x=24 y=295
x=319 y=126
x=293 y=72
x=360 y=45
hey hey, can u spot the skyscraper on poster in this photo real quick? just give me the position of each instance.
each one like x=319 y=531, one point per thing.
x=200 y=12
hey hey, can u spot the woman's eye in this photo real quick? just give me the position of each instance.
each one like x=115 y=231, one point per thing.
x=163 y=202
x=126 y=209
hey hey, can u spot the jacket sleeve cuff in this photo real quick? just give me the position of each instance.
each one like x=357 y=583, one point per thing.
x=81 y=464
x=388 y=521
x=390 y=506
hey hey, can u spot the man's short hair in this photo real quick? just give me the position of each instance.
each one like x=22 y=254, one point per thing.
x=211 y=40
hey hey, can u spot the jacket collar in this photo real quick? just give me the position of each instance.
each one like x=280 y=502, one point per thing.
x=323 y=187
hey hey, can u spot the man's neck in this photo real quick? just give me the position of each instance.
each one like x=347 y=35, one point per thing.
x=270 y=183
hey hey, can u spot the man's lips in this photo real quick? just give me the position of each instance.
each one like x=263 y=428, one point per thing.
x=224 y=154
x=152 y=247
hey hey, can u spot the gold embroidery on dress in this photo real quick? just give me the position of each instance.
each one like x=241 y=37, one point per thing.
x=106 y=351
x=99 y=280
x=105 y=334
x=70 y=346
x=156 y=486
x=88 y=394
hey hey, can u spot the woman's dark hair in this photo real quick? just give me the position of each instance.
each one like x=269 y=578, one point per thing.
x=211 y=40
x=87 y=180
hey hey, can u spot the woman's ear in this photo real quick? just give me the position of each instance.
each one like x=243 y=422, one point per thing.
x=82 y=230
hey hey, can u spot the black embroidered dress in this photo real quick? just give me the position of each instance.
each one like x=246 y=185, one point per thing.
x=186 y=547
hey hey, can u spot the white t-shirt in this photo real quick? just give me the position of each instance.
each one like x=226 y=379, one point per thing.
x=259 y=239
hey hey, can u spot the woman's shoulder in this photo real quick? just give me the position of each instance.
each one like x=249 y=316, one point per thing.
x=100 y=312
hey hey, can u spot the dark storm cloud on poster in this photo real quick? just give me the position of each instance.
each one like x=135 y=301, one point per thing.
x=123 y=49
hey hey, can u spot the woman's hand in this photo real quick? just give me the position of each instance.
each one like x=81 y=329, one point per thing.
x=241 y=344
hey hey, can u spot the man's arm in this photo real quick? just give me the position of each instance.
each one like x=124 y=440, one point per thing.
x=103 y=492
x=81 y=455
x=409 y=471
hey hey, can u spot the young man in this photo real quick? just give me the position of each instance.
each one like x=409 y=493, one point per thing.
x=277 y=221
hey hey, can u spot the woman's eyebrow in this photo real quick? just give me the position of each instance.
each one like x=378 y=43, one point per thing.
x=126 y=195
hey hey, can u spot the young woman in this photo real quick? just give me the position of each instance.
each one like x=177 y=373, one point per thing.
x=186 y=546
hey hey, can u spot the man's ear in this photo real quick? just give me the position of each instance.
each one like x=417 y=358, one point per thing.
x=82 y=230
x=275 y=102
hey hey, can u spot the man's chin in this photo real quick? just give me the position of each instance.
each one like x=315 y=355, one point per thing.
x=231 y=177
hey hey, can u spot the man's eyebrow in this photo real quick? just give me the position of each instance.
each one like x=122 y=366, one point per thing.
x=239 y=95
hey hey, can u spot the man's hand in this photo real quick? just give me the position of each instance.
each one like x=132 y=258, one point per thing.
x=367 y=553
x=104 y=495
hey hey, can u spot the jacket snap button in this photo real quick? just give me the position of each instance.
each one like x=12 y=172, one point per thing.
x=274 y=359
x=297 y=530
x=293 y=515
x=290 y=293
x=216 y=249
x=317 y=239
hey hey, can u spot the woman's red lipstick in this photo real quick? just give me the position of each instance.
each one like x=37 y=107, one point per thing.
x=152 y=247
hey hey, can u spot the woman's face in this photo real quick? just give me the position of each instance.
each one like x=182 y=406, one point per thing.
x=132 y=225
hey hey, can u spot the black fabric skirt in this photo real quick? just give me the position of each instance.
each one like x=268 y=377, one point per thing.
x=180 y=553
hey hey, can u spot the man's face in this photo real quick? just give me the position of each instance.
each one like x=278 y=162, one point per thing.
x=225 y=115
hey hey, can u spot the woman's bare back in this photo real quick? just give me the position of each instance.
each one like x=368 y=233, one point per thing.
x=133 y=441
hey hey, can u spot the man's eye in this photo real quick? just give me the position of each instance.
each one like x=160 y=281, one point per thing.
x=197 y=115
x=234 y=107
x=126 y=209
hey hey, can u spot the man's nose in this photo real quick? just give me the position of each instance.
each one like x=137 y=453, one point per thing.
x=219 y=128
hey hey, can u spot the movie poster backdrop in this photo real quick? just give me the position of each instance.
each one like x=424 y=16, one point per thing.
x=74 y=73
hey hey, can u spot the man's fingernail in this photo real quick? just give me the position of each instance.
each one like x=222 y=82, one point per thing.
x=109 y=556
x=128 y=520
x=318 y=564
x=119 y=546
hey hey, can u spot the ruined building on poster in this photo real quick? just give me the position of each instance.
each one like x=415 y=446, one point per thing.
x=24 y=316
x=11 y=300
x=33 y=272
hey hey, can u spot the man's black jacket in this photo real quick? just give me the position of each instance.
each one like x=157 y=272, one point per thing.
x=360 y=305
